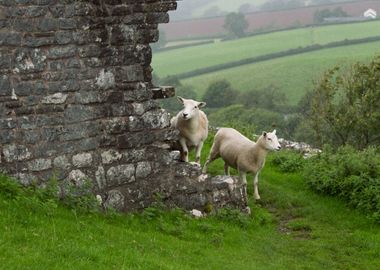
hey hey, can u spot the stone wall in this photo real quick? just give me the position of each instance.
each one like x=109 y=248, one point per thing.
x=77 y=102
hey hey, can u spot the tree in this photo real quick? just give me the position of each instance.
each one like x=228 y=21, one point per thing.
x=345 y=107
x=320 y=15
x=219 y=94
x=235 y=24
x=269 y=98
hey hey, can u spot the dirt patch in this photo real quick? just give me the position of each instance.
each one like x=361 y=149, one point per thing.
x=290 y=221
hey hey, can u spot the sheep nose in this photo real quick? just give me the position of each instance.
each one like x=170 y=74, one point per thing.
x=279 y=147
x=185 y=115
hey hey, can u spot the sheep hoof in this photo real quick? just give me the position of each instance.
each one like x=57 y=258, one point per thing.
x=195 y=164
x=257 y=198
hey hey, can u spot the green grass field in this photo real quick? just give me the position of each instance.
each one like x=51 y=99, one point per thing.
x=191 y=58
x=293 y=75
x=291 y=228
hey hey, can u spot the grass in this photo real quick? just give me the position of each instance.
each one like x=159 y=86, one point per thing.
x=292 y=228
x=293 y=75
x=191 y=58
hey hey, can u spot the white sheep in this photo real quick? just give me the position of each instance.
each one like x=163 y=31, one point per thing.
x=192 y=124
x=242 y=154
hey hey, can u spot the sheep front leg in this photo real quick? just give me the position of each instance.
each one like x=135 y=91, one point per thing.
x=226 y=169
x=256 y=186
x=198 y=153
x=185 y=150
x=214 y=154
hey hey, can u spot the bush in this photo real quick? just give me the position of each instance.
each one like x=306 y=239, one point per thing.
x=219 y=94
x=288 y=161
x=269 y=98
x=349 y=174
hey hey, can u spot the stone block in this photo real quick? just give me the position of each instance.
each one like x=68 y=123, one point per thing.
x=62 y=52
x=77 y=177
x=8 y=123
x=100 y=177
x=64 y=37
x=105 y=79
x=82 y=160
x=48 y=24
x=115 y=200
x=110 y=156
x=10 y=39
x=57 y=98
x=39 y=165
x=5 y=62
x=80 y=113
x=143 y=169
x=13 y=152
x=30 y=60
x=61 y=162
x=121 y=174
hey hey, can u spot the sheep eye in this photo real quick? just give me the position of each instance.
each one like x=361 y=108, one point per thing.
x=195 y=107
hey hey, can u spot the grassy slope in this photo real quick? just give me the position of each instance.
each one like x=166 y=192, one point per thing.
x=187 y=59
x=292 y=75
x=292 y=228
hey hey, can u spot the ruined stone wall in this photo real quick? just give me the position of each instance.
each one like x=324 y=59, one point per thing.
x=76 y=102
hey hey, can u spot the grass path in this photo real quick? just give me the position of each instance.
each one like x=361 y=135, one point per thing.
x=292 y=228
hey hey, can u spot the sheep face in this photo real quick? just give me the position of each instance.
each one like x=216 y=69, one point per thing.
x=271 y=141
x=190 y=108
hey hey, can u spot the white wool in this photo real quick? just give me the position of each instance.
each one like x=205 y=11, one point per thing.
x=192 y=124
x=242 y=154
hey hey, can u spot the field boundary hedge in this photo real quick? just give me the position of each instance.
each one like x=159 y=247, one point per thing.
x=271 y=56
x=184 y=46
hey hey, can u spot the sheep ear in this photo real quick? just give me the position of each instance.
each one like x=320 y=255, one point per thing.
x=264 y=134
x=181 y=99
x=201 y=104
x=274 y=132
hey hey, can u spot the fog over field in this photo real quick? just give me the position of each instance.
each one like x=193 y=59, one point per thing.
x=189 y=9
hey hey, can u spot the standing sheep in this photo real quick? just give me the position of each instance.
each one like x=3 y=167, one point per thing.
x=242 y=154
x=192 y=124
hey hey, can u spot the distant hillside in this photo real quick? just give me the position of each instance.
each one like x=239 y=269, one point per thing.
x=261 y=21
x=293 y=75
x=197 y=57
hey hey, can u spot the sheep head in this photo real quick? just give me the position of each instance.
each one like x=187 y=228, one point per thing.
x=190 y=107
x=271 y=141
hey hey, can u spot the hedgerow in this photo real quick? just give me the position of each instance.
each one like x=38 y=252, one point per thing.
x=349 y=174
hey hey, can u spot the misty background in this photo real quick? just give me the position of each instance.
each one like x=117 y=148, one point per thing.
x=190 y=9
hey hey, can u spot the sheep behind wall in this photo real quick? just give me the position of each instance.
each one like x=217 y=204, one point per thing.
x=192 y=124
